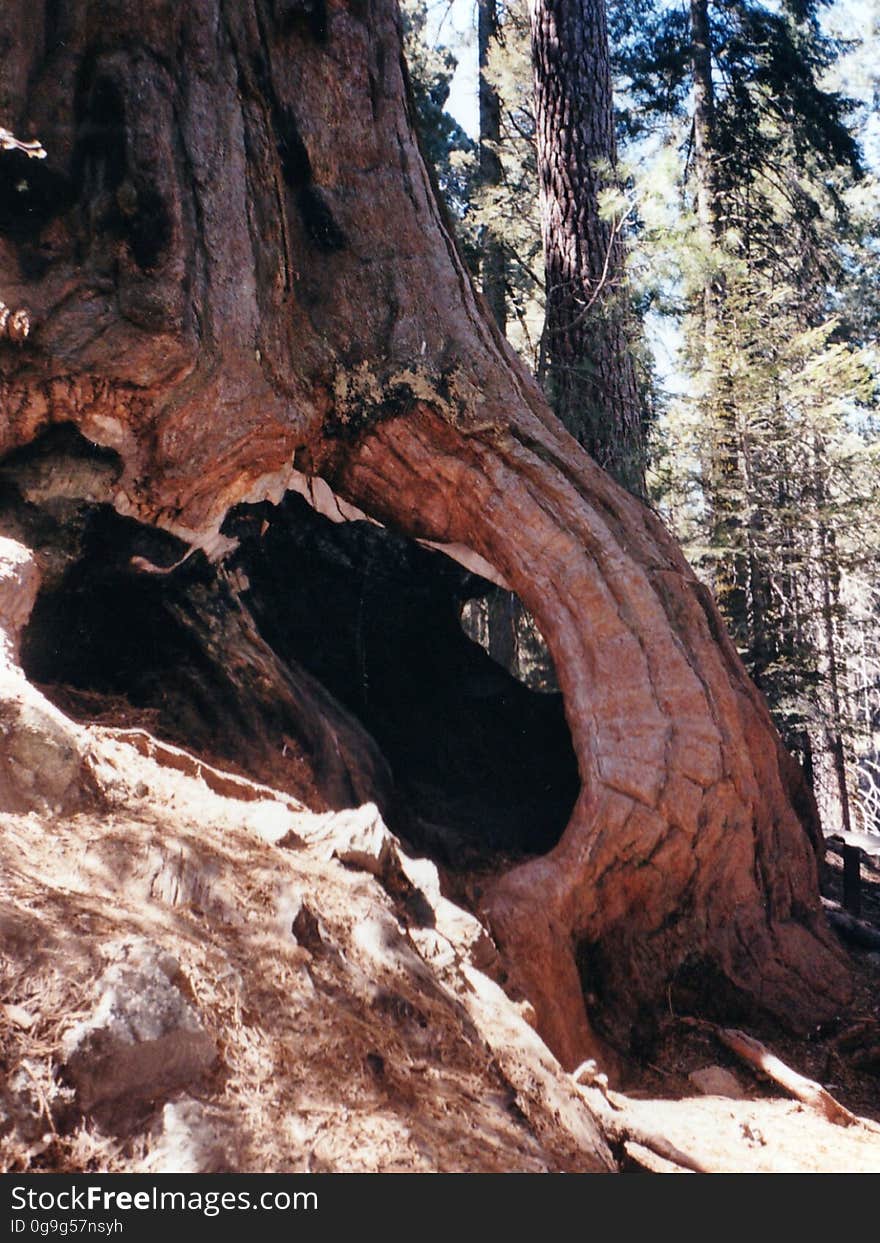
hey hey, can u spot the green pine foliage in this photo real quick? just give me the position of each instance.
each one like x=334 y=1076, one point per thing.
x=766 y=462
x=510 y=212
x=765 y=453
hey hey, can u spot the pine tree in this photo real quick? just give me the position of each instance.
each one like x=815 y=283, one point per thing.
x=588 y=369
x=492 y=261
x=780 y=381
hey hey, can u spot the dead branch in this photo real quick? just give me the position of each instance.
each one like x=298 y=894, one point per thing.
x=609 y=1108
x=756 y=1055
x=624 y=1132
x=650 y=1161
x=33 y=148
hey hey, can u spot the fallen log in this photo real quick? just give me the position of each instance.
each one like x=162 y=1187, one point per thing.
x=855 y=931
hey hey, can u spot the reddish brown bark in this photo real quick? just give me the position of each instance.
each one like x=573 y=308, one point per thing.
x=236 y=270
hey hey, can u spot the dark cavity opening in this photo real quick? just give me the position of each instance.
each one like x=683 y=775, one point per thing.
x=129 y=630
x=103 y=639
x=480 y=761
x=32 y=193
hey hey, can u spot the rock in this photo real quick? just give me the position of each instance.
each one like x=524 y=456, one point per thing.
x=433 y=947
x=21 y=1109
x=361 y=839
x=716 y=1081
x=463 y=930
x=382 y=940
x=144 y=1039
x=423 y=874
x=42 y=760
x=42 y=764
x=299 y=918
x=307 y=929
x=273 y=821
x=468 y=935
x=19 y=583
x=193 y=1140
x=357 y=837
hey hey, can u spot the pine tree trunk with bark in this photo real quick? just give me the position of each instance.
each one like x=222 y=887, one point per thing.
x=492 y=262
x=705 y=155
x=240 y=286
x=588 y=369
x=723 y=473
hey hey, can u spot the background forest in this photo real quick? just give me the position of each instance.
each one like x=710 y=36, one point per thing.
x=736 y=263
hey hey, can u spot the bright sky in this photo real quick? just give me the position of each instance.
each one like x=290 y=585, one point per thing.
x=454 y=23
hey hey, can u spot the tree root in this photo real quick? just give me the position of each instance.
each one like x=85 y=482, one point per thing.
x=622 y=1132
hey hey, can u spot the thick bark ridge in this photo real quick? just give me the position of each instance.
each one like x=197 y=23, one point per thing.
x=237 y=272
x=589 y=373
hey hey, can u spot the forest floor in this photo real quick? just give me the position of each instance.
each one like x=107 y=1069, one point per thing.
x=354 y=1028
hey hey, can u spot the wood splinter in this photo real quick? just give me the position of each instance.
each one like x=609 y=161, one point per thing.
x=15 y=325
x=32 y=148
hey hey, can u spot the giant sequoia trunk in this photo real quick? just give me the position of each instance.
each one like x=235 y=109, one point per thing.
x=239 y=284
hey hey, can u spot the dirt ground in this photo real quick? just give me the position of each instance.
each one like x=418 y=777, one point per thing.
x=351 y=1034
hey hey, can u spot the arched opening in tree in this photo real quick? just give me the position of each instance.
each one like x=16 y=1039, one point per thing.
x=125 y=630
x=480 y=762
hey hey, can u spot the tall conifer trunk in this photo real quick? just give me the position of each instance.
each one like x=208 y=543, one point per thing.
x=723 y=471
x=492 y=262
x=588 y=369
